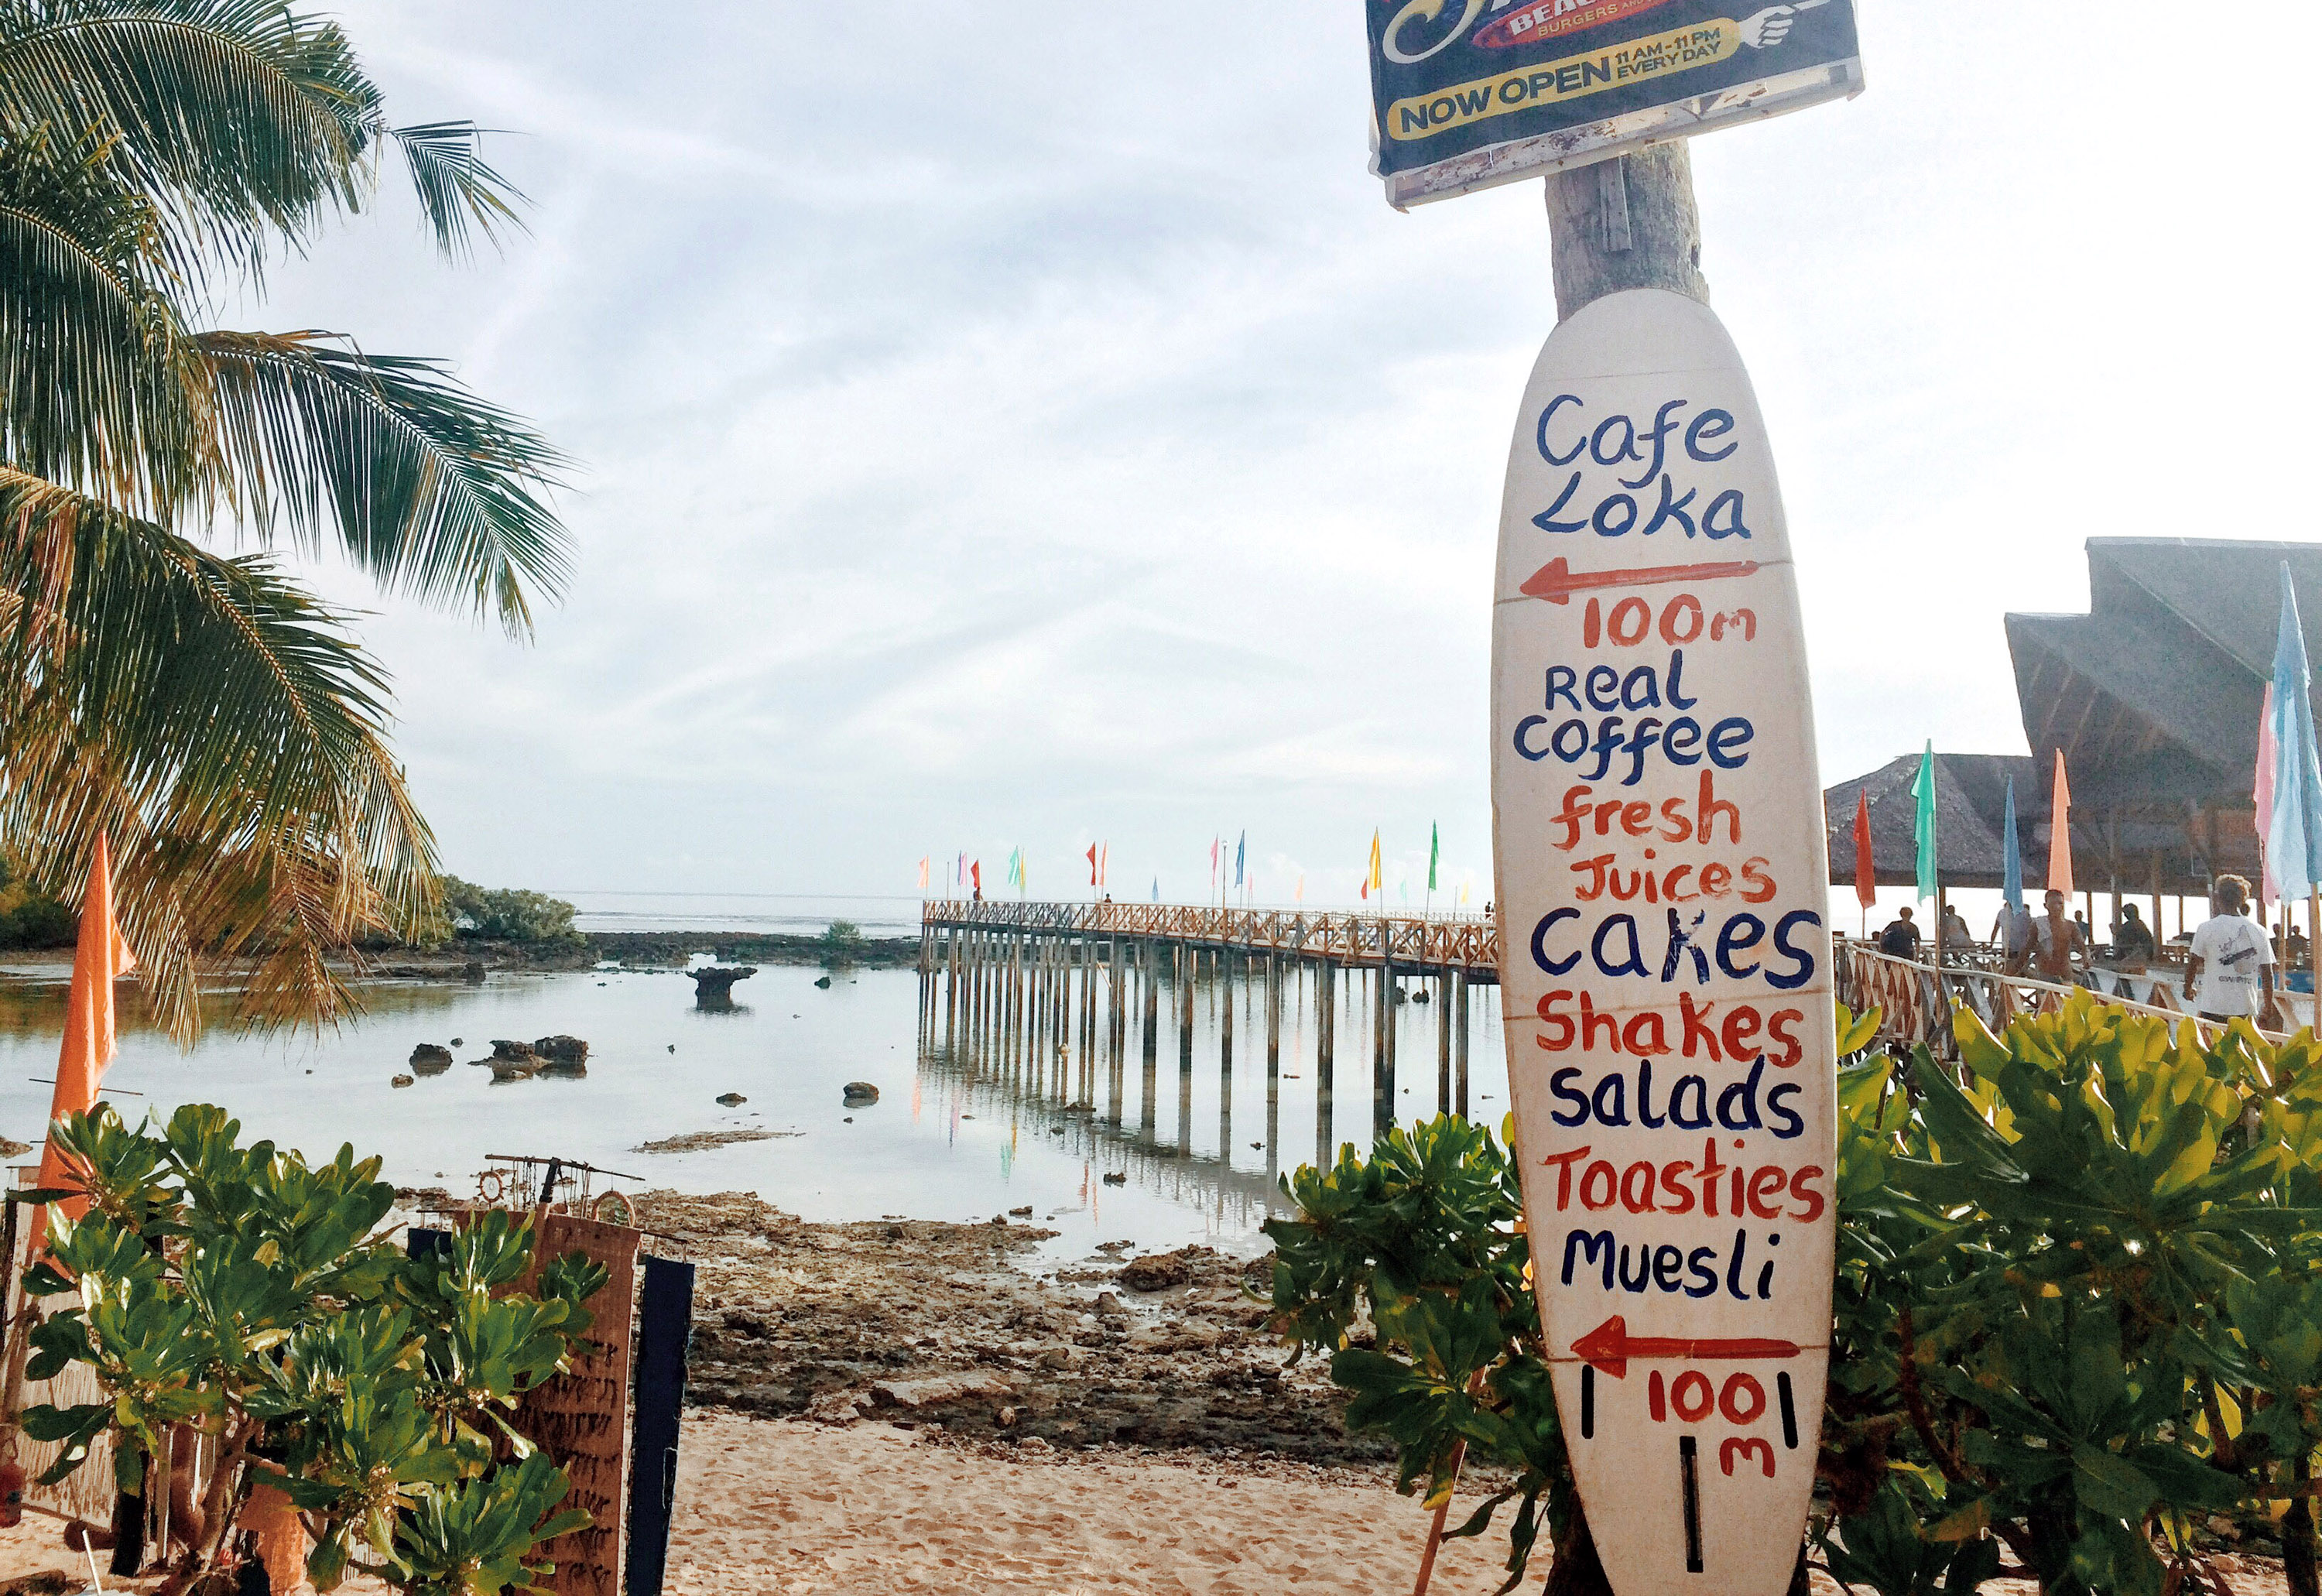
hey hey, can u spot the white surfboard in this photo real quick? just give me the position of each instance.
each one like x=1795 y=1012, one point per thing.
x=1666 y=967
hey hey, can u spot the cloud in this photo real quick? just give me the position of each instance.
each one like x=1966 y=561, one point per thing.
x=1010 y=425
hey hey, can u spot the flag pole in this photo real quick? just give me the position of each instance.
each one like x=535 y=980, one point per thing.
x=2313 y=947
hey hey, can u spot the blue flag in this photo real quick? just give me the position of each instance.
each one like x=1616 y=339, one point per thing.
x=2293 y=831
x=2011 y=878
x=1238 y=848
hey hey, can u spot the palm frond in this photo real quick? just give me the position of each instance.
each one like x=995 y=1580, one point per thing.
x=241 y=119
x=432 y=491
x=227 y=732
x=456 y=186
x=99 y=387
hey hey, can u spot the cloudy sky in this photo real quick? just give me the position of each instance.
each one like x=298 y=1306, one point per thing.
x=1027 y=424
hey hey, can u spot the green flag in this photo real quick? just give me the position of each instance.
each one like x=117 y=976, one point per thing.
x=1434 y=852
x=1922 y=788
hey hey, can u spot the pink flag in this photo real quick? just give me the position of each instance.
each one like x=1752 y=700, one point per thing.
x=2059 y=832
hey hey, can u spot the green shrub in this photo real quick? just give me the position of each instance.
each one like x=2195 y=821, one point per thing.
x=238 y=1291
x=842 y=941
x=507 y=914
x=2078 y=1310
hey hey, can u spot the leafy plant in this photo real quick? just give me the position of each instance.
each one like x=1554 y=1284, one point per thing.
x=240 y=1292
x=2077 y=1312
x=509 y=914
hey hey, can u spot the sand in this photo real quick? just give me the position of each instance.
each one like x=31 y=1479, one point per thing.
x=788 y=1507
x=774 y=1505
x=782 y=1506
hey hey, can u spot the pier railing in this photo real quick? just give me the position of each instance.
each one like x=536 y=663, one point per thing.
x=1916 y=999
x=1469 y=944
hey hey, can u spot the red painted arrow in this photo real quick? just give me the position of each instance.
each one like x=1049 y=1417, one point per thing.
x=1556 y=582
x=1610 y=1346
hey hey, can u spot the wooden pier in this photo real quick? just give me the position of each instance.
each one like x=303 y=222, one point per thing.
x=1049 y=990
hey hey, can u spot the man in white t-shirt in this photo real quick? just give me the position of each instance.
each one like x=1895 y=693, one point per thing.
x=2230 y=968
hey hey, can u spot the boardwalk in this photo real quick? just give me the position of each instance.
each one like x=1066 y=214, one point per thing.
x=1048 y=992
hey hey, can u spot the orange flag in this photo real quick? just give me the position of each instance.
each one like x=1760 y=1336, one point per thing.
x=2059 y=832
x=89 y=1038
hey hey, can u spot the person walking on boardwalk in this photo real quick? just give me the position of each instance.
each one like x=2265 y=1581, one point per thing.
x=2230 y=968
x=2056 y=941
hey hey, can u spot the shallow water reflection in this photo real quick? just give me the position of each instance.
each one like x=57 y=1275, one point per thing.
x=949 y=1139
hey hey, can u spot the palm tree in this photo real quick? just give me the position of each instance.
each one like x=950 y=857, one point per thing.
x=203 y=707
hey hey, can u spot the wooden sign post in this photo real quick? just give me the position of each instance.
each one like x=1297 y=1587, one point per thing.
x=1667 y=976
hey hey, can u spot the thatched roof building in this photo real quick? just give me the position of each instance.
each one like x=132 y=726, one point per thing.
x=2153 y=697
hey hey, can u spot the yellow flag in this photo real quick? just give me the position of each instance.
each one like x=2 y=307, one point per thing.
x=1376 y=880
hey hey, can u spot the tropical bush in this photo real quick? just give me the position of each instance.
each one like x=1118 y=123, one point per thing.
x=2079 y=1311
x=508 y=914
x=28 y=919
x=238 y=1291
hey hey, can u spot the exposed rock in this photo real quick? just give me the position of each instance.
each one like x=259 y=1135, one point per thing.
x=792 y=1319
x=523 y=1069
x=1023 y=1213
x=1157 y=1272
x=697 y=1141
x=1118 y=1177
x=562 y=1050
x=732 y=1099
x=400 y=1081
x=713 y=985
x=472 y=972
x=9 y=1149
x=823 y=981
x=1109 y=1307
x=503 y=1048
x=936 y=1390
x=428 y=1059
x=859 y=1094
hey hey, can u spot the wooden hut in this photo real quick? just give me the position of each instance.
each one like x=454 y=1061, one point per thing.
x=2153 y=697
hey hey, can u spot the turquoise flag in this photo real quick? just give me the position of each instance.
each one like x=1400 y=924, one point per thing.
x=1434 y=852
x=1922 y=788
x=2011 y=869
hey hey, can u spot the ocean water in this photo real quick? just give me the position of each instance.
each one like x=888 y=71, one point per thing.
x=767 y=913
x=951 y=1138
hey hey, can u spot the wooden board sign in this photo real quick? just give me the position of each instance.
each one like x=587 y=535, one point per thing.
x=1667 y=977
x=581 y=1417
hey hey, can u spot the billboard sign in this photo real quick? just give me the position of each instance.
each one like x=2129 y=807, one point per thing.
x=1469 y=94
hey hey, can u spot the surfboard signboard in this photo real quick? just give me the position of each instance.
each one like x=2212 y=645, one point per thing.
x=1657 y=826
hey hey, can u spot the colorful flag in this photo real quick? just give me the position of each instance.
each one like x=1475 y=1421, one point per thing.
x=1091 y=864
x=1922 y=788
x=1434 y=852
x=2011 y=867
x=2293 y=833
x=90 y=1042
x=2059 y=832
x=1865 y=869
x=1302 y=887
x=923 y=875
x=1157 y=888
x=1373 y=881
x=1240 y=849
x=975 y=877
x=2262 y=793
x=1104 y=865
